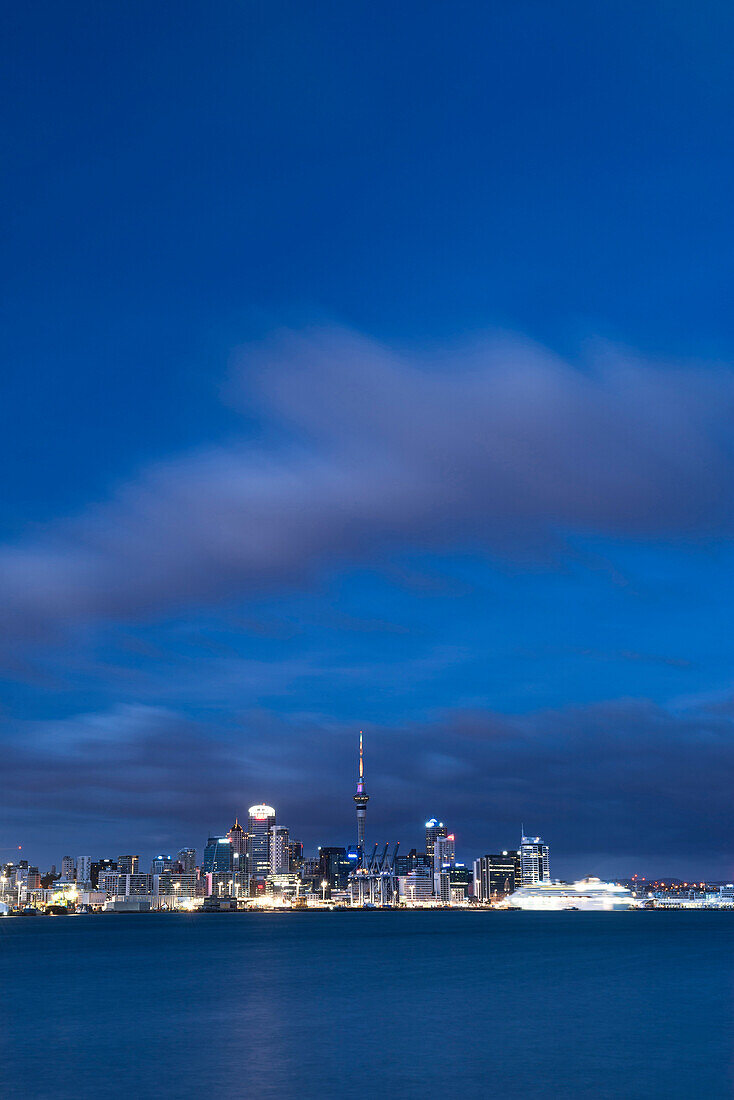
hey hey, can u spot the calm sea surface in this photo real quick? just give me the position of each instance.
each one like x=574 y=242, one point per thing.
x=374 y=1004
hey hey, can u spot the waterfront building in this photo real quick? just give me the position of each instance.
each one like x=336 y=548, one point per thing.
x=416 y=885
x=460 y=883
x=442 y=886
x=217 y=855
x=361 y=798
x=178 y=886
x=128 y=865
x=434 y=829
x=334 y=868
x=534 y=862
x=67 y=868
x=108 y=880
x=187 y=861
x=284 y=887
x=496 y=875
x=279 y=850
x=261 y=819
x=138 y=885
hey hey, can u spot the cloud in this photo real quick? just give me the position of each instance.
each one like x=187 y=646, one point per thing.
x=363 y=450
x=612 y=786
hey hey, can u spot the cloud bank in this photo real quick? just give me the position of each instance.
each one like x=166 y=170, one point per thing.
x=625 y=777
x=363 y=450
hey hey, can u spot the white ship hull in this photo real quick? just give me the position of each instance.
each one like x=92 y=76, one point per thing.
x=589 y=895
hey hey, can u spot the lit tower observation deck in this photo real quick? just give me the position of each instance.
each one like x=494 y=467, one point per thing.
x=361 y=798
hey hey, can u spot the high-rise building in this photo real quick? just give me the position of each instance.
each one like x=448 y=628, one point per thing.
x=534 y=863
x=261 y=819
x=295 y=855
x=161 y=864
x=217 y=855
x=414 y=861
x=444 y=852
x=444 y=858
x=83 y=868
x=98 y=867
x=496 y=875
x=67 y=868
x=417 y=885
x=187 y=861
x=279 y=850
x=128 y=865
x=361 y=798
x=238 y=840
x=434 y=829
x=334 y=868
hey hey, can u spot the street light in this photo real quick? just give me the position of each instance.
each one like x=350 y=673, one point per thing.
x=324 y=884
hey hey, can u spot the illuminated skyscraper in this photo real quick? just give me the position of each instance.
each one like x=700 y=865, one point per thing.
x=279 y=850
x=161 y=864
x=444 y=852
x=261 y=821
x=361 y=798
x=534 y=864
x=434 y=829
x=187 y=861
x=238 y=840
x=217 y=855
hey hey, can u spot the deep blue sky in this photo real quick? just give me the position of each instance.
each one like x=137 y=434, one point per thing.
x=369 y=366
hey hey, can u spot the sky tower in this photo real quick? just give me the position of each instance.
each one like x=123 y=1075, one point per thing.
x=361 y=798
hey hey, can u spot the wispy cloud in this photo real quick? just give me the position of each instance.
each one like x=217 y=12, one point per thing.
x=364 y=450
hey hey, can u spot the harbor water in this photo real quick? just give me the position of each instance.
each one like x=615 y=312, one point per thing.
x=374 y=1004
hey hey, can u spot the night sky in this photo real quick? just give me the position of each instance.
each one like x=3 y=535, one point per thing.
x=369 y=366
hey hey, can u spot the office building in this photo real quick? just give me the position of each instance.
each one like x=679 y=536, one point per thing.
x=217 y=855
x=444 y=852
x=128 y=865
x=162 y=864
x=534 y=862
x=238 y=840
x=67 y=868
x=496 y=875
x=98 y=866
x=334 y=868
x=417 y=885
x=414 y=861
x=434 y=829
x=187 y=861
x=279 y=850
x=295 y=855
x=83 y=869
x=461 y=883
x=261 y=819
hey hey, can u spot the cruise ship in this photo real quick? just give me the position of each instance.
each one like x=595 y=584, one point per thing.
x=590 y=894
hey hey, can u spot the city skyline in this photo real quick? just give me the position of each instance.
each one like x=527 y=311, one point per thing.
x=371 y=372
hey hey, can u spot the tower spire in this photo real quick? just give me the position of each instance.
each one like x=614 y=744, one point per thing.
x=361 y=798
